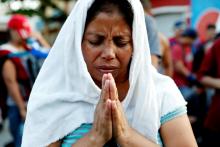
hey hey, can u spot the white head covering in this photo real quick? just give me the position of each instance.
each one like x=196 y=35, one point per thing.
x=64 y=95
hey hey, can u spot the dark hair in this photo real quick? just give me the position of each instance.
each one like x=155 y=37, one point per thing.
x=189 y=32
x=179 y=24
x=146 y=4
x=108 y=6
x=4 y=36
x=210 y=26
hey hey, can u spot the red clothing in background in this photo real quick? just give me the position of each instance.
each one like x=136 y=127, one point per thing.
x=184 y=54
x=211 y=67
x=173 y=41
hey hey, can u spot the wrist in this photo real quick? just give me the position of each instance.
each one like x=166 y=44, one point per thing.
x=123 y=139
x=95 y=139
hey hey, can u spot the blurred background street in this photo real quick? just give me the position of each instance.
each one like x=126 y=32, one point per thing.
x=187 y=30
x=5 y=136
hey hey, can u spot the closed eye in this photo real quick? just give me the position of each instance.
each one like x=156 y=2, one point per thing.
x=96 y=41
x=120 y=41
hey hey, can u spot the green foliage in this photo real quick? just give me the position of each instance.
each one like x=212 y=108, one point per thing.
x=41 y=11
x=5 y=0
x=27 y=12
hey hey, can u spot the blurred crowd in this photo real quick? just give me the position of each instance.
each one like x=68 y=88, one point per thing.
x=190 y=61
x=193 y=64
x=21 y=57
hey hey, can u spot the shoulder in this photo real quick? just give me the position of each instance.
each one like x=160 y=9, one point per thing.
x=161 y=80
x=216 y=45
x=8 y=71
x=176 y=47
x=8 y=47
x=149 y=20
x=165 y=86
x=170 y=99
x=8 y=66
x=176 y=52
x=217 y=42
x=5 y=49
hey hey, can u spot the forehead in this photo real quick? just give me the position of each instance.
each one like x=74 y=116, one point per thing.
x=112 y=18
x=104 y=21
x=105 y=24
x=110 y=10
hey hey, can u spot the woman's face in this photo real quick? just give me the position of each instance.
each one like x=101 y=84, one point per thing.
x=107 y=47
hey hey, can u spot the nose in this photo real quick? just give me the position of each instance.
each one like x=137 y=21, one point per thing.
x=108 y=52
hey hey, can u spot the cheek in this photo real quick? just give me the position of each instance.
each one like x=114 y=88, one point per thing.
x=89 y=54
x=125 y=57
x=127 y=61
x=85 y=52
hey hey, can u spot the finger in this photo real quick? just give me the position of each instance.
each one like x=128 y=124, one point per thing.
x=113 y=89
x=104 y=78
x=117 y=111
x=105 y=91
x=108 y=109
x=108 y=117
x=115 y=115
x=119 y=121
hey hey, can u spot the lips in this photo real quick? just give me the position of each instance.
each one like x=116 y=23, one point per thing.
x=107 y=69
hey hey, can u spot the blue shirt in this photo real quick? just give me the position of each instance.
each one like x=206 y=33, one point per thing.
x=74 y=136
x=153 y=37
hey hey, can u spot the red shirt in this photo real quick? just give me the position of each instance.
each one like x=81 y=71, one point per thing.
x=211 y=67
x=184 y=54
x=173 y=41
x=22 y=75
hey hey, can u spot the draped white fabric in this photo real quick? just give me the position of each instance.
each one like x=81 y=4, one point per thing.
x=64 y=95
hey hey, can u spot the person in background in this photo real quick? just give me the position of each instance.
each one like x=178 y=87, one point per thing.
x=153 y=37
x=201 y=47
x=166 y=65
x=209 y=76
x=183 y=76
x=19 y=70
x=178 y=27
x=182 y=60
x=210 y=36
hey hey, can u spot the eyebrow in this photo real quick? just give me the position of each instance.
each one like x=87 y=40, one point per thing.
x=102 y=34
x=95 y=33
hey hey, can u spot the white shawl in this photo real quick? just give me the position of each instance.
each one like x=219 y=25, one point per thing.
x=64 y=95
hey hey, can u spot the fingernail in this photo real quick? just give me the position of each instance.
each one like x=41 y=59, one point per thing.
x=107 y=83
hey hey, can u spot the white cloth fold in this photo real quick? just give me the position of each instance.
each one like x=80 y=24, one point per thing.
x=64 y=95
